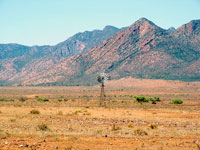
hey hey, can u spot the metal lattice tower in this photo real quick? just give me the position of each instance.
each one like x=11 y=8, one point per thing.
x=102 y=96
x=102 y=79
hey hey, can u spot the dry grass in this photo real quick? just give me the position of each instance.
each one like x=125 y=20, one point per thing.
x=34 y=111
x=77 y=122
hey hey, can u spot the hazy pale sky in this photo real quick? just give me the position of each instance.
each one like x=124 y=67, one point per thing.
x=40 y=22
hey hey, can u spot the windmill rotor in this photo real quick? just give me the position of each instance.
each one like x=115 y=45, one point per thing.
x=102 y=78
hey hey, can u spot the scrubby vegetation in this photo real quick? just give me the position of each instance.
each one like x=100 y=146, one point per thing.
x=143 y=99
x=23 y=99
x=123 y=120
x=140 y=132
x=42 y=127
x=6 y=100
x=34 y=111
x=177 y=101
x=41 y=99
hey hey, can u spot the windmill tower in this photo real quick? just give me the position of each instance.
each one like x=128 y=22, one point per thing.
x=102 y=78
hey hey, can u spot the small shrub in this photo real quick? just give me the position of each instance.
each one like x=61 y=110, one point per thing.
x=86 y=114
x=68 y=148
x=142 y=144
x=153 y=126
x=70 y=114
x=99 y=131
x=114 y=101
x=149 y=98
x=43 y=127
x=157 y=99
x=130 y=125
x=140 y=132
x=17 y=105
x=154 y=100
x=73 y=138
x=59 y=100
x=23 y=99
x=42 y=99
x=84 y=96
x=114 y=128
x=57 y=138
x=76 y=112
x=12 y=120
x=65 y=99
x=34 y=111
x=60 y=113
x=177 y=101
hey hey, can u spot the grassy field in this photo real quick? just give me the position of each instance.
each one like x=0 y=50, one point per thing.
x=69 y=118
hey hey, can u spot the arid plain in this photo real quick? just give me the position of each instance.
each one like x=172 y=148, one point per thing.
x=69 y=118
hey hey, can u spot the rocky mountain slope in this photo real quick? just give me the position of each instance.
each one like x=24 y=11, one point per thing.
x=143 y=50
x=14 y=57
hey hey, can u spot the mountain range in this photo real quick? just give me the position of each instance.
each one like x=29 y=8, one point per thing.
x=142 y=50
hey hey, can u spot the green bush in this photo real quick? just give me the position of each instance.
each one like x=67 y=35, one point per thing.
x=157 y=99
x=177 y=101
x=149 y=99
x=141 y=99
x=114 y=101
x=154 y=100
x=42 y=99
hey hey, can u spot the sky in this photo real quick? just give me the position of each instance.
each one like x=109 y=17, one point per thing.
x=48 y=22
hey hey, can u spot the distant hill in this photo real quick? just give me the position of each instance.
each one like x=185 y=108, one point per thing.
x=14 y=57
x=143 y=50
x=81 y=42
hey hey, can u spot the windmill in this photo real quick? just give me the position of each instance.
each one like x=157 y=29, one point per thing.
x=102 y=78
